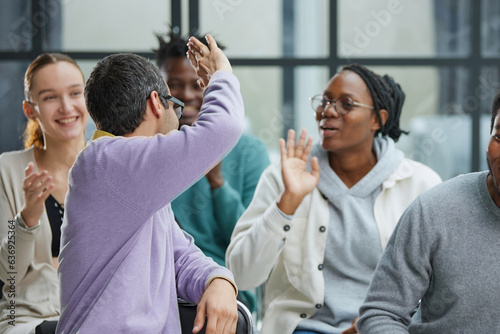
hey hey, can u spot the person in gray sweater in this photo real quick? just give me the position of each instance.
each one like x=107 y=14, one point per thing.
x=442 y=259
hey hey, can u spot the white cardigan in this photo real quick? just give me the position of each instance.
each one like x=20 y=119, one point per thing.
x=36 y=282
x=266 y=247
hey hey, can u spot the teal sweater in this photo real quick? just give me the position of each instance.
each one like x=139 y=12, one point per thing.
x=209 y=216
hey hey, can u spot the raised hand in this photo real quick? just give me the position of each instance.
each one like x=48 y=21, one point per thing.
x=207 y=60
x=36 y=187
x=297 y=180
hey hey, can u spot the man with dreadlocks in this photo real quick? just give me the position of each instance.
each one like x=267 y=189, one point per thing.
x=316 y=228
x=210 y=208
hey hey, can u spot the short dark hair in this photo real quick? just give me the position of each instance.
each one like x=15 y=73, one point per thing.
x=117 y=90
x=386 y=94
x=173 y=45
x=495 y=109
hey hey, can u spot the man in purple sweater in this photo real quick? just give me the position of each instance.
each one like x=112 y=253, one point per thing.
x=124 y=260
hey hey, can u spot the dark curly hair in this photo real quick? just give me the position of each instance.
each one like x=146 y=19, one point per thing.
x=173 y=45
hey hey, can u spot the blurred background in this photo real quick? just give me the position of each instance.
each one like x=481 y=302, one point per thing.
x=444 y=53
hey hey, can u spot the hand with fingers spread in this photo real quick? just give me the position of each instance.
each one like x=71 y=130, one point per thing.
x=207 y=60
x=36 y=187
x=218 y=305
x=297 y=180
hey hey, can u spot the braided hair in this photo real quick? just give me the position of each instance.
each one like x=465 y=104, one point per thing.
x=386 y=94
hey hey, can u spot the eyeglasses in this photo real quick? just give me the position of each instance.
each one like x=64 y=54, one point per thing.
x=345 y=104
x=178 y=105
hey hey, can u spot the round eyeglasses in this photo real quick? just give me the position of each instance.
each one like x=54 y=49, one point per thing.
x=343 y=105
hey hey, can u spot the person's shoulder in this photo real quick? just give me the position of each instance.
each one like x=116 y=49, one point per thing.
x=418 y=172
x=99 y=144
x=464 y=181
x=418 y=168
x=13 y=158
x=451 y=192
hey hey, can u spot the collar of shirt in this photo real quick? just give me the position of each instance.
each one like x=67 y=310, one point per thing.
x=99 y=133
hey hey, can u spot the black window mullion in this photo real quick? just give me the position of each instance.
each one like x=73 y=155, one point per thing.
x=194 y=17
x=333 y=60
x=38 y=32
x=288 y=71
x=175 y=15
x=474 y=82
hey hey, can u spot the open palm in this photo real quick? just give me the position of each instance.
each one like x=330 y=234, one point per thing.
x=297 y=180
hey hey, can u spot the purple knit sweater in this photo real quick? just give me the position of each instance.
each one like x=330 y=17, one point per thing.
x=124 y=260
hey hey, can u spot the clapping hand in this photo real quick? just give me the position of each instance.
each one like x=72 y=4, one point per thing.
x=36 y=187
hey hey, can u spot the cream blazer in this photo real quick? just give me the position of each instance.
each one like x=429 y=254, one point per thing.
x=267 y=247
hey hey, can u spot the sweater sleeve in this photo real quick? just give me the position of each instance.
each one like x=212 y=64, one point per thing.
x=401 y=277
x=194 y=270
x=159 y=168
x=229 y=203
x=258 y=237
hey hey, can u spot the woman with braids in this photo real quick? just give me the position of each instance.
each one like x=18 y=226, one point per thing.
x=317 y=227
x=33 y=184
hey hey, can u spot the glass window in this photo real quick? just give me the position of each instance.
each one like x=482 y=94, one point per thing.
x=248 y=29
x=435 y=114
x=11 y=111
x=261 y=88
x=489 y=85
x=16 y=26
x=442 y=142
x=393 y=28
x=490 y=28
x=309 y=81
x=311 y=30
x=114 y=26
x=421 y=87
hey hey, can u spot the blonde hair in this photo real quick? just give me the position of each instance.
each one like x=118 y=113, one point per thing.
x=33 y=135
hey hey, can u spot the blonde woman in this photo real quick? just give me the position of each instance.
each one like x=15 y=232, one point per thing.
x=33 y=184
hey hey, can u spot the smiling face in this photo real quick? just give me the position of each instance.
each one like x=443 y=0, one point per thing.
x=493 y=158
x=183 y=83
x=57 y=101
x=355 y=130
